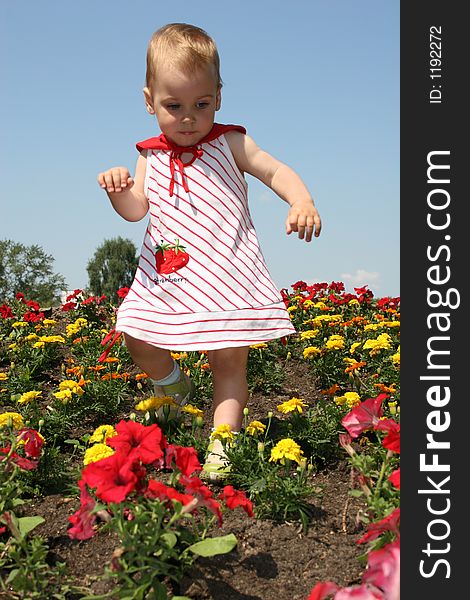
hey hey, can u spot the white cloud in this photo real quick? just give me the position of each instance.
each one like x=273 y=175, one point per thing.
x=362 y=277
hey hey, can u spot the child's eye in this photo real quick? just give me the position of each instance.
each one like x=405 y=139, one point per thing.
x=173 y=106
x=202 y=104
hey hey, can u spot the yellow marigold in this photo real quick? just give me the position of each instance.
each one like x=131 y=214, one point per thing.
x=396 y=358
x=353 y=302
x=351 y=399
x=311 y=351
x=373 y=326
x=255 y=427
x=307 y=335
x=31 y=337
x=49 y=322
x=223 y=432
x=179 y=355
x=154 y=403
x=73 y=386
x=307 y=304
x=102 y=433
x=97 y=452
x=291 y=309
x=354 y=347
x=38 y=345
x=392 y=324
x=261 y=345
x=286 y=449
x=320 y=304
x=335 y=342
x=193 y=410
x=382 y=342
x=293 y=404
x=13 y=418
x=17 y=324
x=63 y=395
x=111 y=359
x=26 y=397
x=52 y=339
x=3 y=376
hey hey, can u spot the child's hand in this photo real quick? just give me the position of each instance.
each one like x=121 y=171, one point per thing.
x=116 y=179
x=304 y=218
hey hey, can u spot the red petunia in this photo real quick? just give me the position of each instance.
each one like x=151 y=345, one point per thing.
x=157 y=489
x=186 y=459
x=322 y=590
x=83 y=519
x=33 y=442
x=138 y=442
x=195 y=487
x=389 y=523
x=68 y=306
x=394 y=478
x=5 y=312
x=383 y=570
x=234 y=498
x=392 y=440
x=364 y=416
x=122 y=292
x=19 y=461
x=113 y=477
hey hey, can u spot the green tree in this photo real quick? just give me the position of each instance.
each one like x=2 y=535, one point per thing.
x=113 y=266
x=28 y=269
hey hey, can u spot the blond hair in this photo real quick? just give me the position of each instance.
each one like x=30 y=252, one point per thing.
x=182 y=46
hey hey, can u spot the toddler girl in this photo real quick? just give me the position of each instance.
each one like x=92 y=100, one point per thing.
x=202 y=281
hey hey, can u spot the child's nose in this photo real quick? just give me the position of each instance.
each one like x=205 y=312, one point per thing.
x=188 y=117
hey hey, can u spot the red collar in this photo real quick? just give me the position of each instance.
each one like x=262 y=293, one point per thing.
x=163 y=143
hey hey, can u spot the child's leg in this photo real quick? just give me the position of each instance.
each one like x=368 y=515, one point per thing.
x=167 y=377
x=156 y=362
x=228 y=367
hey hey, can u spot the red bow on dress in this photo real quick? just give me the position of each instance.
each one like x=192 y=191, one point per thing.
x=163 y=143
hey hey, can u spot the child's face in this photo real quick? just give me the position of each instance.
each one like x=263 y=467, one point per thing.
x=184 y=105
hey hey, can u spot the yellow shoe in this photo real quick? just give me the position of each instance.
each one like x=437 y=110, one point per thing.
x=216 y=466
x=182 y=392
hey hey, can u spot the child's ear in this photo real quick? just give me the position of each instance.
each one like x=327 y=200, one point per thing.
x=218 y=99
x=148 y=101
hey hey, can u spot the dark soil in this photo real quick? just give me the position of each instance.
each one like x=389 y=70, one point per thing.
x=272 y=561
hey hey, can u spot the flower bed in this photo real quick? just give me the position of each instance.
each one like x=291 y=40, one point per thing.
x=78 y=420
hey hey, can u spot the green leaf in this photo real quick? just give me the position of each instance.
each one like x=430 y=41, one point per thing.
x=213 y=546
x=27 y=524
x=356 y=493
x=180 y=598
x=169 y=539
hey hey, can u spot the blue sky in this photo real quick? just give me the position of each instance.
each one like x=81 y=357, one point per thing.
x=315 y=82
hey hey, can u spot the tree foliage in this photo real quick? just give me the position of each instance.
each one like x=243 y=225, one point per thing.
x=28 y=269
x=113 y=266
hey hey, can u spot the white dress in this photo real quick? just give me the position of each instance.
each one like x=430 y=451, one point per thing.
x=202 y=282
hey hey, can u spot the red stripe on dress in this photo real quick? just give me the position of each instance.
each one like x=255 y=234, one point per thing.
x=240 y=220
x=185 y=291
x=235 y=171
x=246 y=266
x=218 y=264
x=197 y=274
x=205 y=331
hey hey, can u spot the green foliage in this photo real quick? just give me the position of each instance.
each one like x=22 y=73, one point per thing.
x=113 y=266
x=28 y=269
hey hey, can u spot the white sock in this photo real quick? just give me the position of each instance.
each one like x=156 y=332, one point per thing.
x=171 y=378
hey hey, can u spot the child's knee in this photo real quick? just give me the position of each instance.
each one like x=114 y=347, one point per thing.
x=228 y=361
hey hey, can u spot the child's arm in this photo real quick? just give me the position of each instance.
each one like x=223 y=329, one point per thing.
x=126 y=193
x=303 y=215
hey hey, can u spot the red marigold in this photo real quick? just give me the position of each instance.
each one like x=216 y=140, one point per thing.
x=234 y=498
x=139 y=442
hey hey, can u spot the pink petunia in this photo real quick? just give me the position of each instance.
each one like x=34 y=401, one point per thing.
x=383 y=570
x=83 y=520
x=364 y=416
